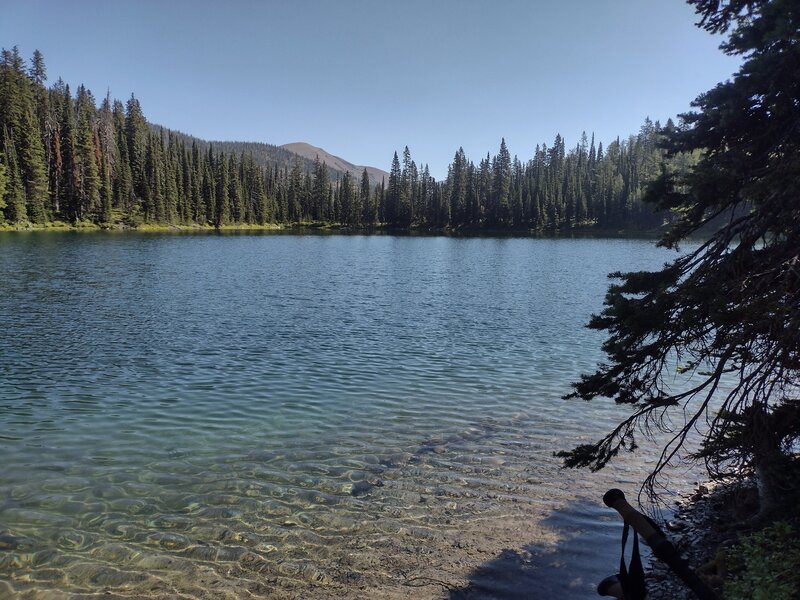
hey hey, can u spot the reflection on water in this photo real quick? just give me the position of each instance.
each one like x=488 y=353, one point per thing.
x=292 y=416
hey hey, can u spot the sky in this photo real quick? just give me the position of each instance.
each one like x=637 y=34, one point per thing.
x=365 y=78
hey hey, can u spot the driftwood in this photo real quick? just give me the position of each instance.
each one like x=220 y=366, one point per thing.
x=662 y=548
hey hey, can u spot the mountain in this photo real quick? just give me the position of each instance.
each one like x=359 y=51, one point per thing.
x=282 y=157
x=336 y=163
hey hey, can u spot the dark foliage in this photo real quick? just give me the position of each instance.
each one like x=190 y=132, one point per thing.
x=726 y=315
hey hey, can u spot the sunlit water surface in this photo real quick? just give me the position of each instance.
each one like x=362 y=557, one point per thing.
x=302 y=416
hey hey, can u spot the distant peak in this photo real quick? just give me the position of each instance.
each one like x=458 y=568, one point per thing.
x=311 y=152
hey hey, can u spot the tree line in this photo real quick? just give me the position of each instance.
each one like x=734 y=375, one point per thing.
x=588 y=185
x=65 y=158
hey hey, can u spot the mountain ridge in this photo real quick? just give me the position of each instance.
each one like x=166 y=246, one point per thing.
x=311 y=152
x=271 y=155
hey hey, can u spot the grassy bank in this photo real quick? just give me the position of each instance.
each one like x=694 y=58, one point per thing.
x=328 y=227
x=156 y=227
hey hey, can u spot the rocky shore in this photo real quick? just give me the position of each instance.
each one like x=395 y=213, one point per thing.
x=705 y=522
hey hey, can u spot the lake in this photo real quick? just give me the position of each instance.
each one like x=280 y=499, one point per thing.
x=303 y=416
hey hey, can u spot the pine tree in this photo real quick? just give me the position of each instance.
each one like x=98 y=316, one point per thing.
x=137 y=137
x=320 y=191
x=426 y=195
x=336 y=211
x=39 y=206
x=123 y=182
x=12 y=98
x=106 y=194
x=258 y=202
x=368 y=213
x=196 y=183
x=3 y=188
x=109 y=158
x=33 y=167
x=728 y=311
x=222 y=211
x=295 y=193
x=392 y=208
x=173 y=192
x=501 y=185
x=405 y=215
x=235 y=199
x=458 y=186
x=380 y=200
x=37 y=72
x=14 y=199
x=88 y=172
x=18 y=118
x=207 y=194
x=516 y=205
x=349 y=201
x=71 y=180
x=472 y=209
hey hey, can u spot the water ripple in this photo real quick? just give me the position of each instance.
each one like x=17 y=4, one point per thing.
x=284 y=416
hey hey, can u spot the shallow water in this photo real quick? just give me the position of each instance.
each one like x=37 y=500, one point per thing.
x=301 y=416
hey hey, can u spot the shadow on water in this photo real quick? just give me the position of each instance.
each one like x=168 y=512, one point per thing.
x=586 y=551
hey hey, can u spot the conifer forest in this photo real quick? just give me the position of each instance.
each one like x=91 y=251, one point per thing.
x=66 y=158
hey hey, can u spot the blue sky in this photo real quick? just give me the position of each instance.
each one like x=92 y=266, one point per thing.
x=363 y=78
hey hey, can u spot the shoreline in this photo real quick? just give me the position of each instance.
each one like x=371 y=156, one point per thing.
x=60 y=226
x=326 y=228
x=705 y=523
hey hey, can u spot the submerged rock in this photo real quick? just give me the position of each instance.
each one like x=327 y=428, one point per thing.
x=9 y=541
x=360 y=488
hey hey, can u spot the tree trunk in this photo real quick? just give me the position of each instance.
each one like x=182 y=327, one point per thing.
x=768 y=492
x=768 y=460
